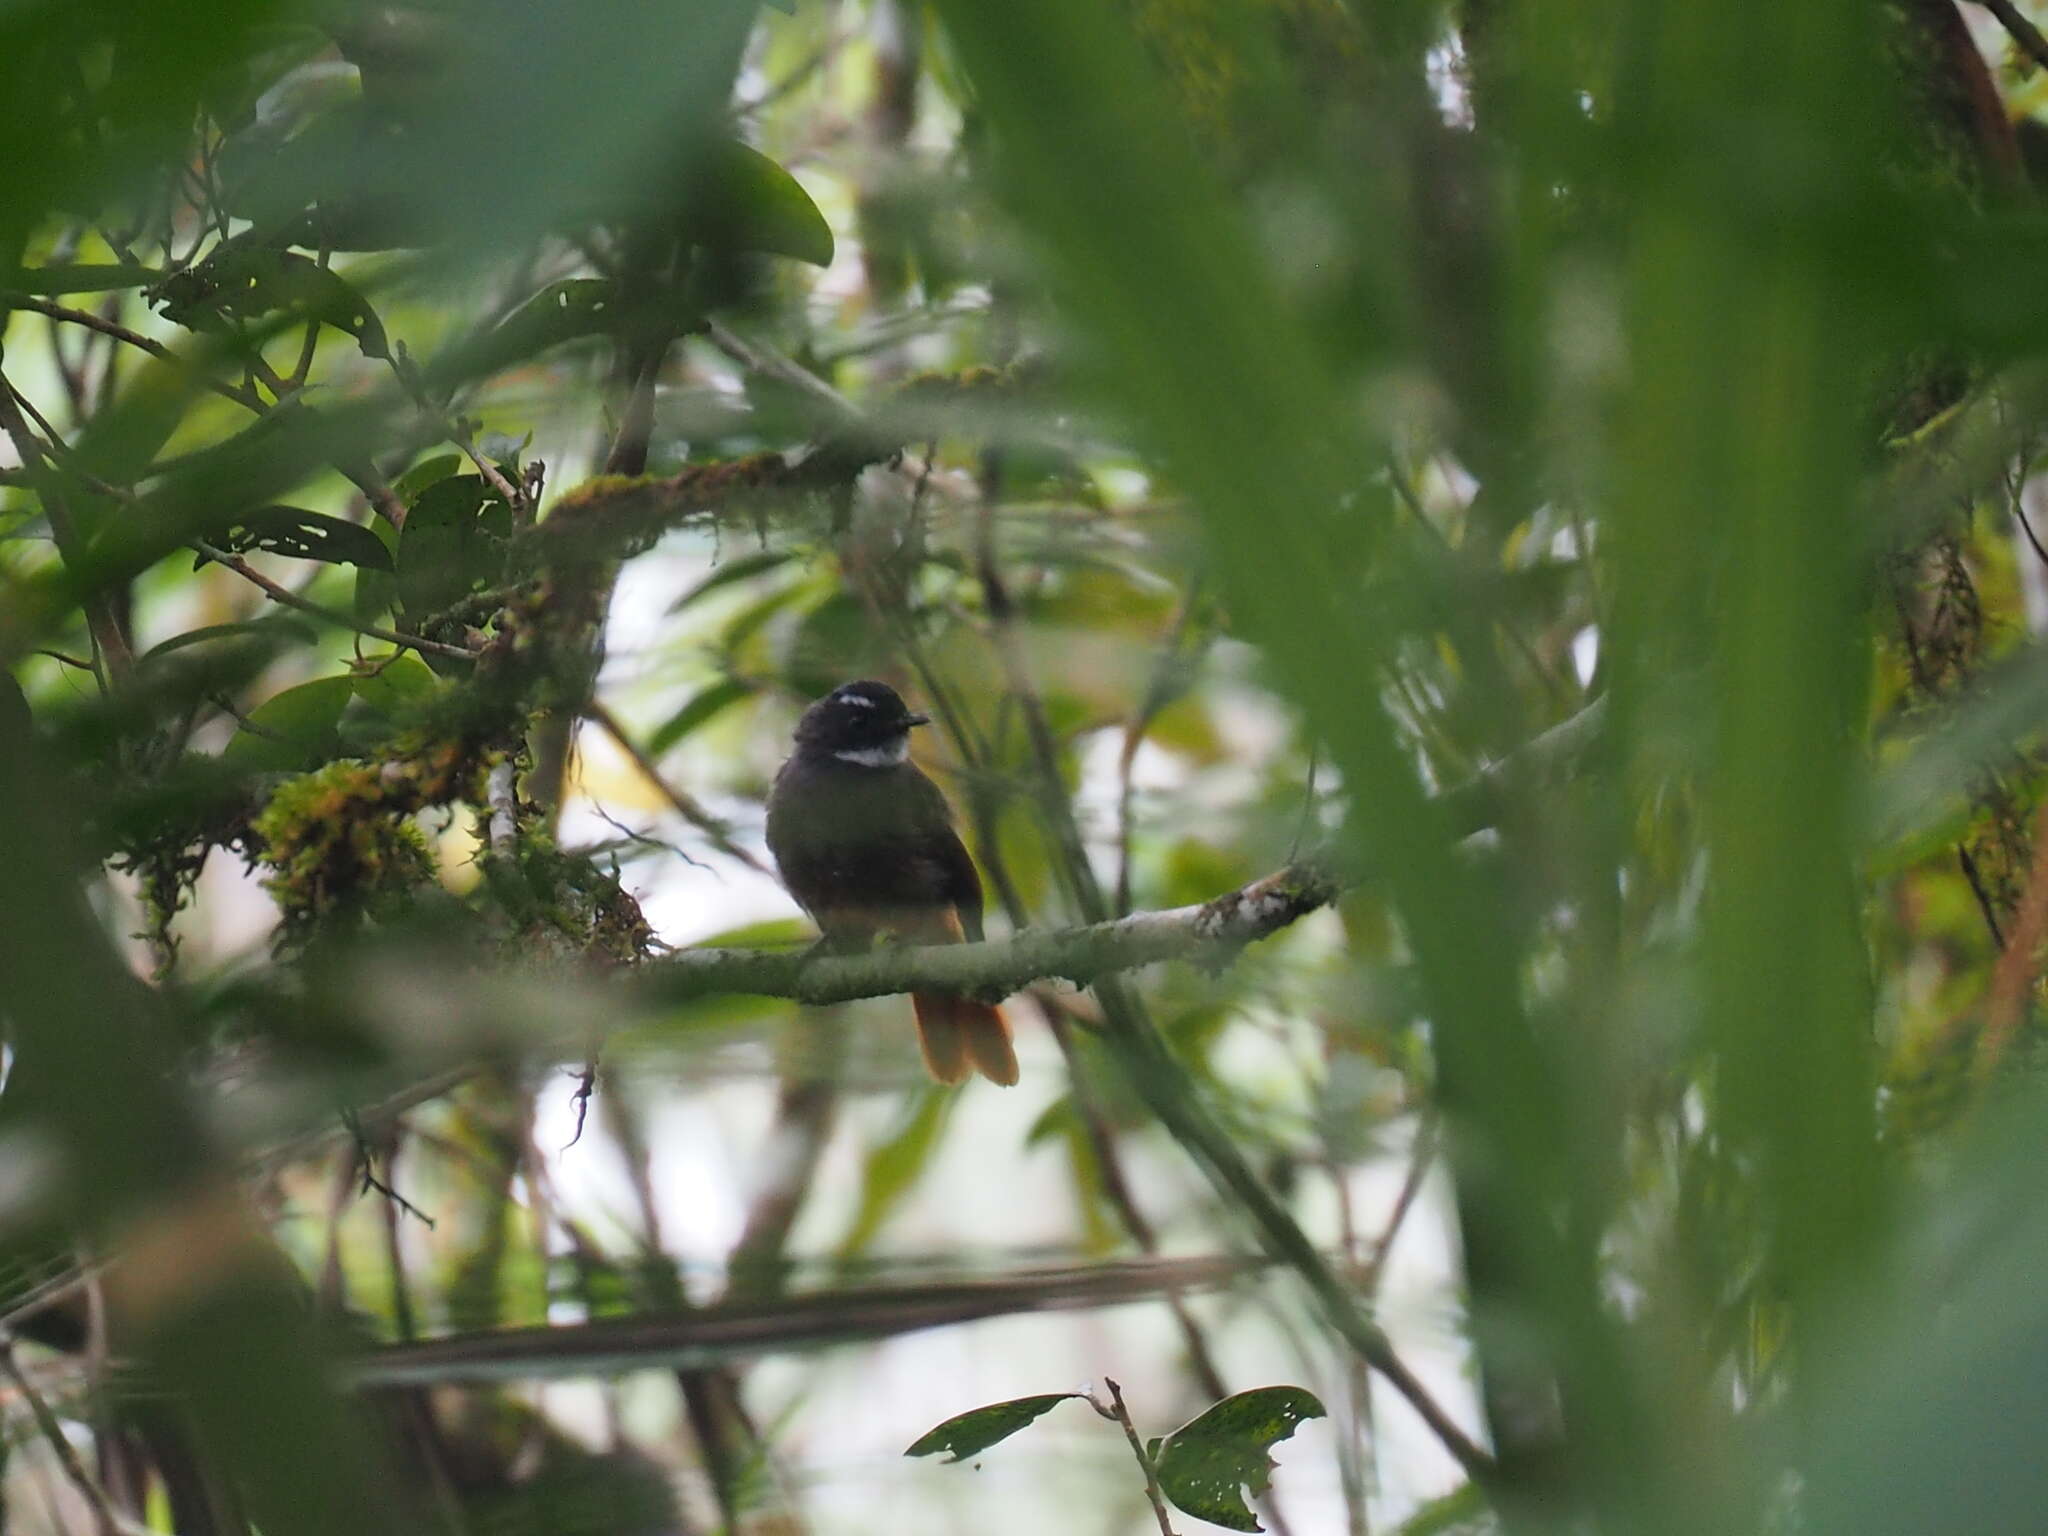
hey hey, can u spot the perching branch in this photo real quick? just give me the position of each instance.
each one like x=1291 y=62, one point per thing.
x=1209 y=934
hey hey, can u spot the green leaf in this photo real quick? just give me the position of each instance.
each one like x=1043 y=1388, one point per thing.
x=240 y=282
x=713 y=701
x=293 y=731
x=571 y=309
x=730 y=571
x=85 y=277
x=276 y=629
x=755 y=205
x=1207 y=1461
x=396 y=683
x=428 y=471
x=973 y=1432
x=892 y=1168
x=455 y=533
x=304 y=535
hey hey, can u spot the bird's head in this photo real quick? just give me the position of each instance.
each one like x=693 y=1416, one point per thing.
x=865 y=723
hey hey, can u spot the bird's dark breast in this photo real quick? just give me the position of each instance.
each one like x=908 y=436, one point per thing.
x=863 y=850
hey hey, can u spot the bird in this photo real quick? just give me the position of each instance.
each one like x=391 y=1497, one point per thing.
x=865 y=843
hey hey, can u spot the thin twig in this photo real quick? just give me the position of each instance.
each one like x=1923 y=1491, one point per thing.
x=292 y=599
x=690 y=810
x=1115 y=1411
x=1421 y=1153
x=241 y=395
x=2021 y=30
x=109 y=636
x=95 y=1496
x=1159 y=692
x=408 y=376
x=761 y=358
x=1983 y=896
x=2014 y=974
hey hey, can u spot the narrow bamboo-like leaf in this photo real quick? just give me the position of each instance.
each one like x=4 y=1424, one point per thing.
x=85 y=277
x=713 y=701
x=277 y=629
x=892 y=1168
x=971 y=1433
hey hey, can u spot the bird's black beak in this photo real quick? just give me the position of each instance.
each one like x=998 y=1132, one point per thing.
x=910 y=720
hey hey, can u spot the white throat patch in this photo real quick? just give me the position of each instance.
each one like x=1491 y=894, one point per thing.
x=886 y=756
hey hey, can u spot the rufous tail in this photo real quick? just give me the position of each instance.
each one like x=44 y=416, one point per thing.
x=958 y=1034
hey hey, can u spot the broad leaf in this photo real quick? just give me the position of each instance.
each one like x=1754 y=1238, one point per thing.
x=755 y=205
x=295 y=731
x=304 y=535
x=969 y=1434
x=1206 y=1463
x=240 y=282
x=454 y=539
x=396 y=683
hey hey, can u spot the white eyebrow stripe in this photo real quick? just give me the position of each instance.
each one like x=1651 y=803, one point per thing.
x=858 y=700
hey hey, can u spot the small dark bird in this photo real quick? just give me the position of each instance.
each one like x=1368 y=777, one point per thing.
x=866 y=845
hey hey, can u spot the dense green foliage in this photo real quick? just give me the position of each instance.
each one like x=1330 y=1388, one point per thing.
x=1551 y=484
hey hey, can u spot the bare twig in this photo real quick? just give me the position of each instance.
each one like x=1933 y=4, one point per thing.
x=116 y=657
x=719 y=834
x=1159 y=692
x=1115 y=1411
x=1421 y=1153
x=763 y=359
x=2021 y=30
x=291 y=599
x=408 y=375
x=95 y=1496
x=240 y=394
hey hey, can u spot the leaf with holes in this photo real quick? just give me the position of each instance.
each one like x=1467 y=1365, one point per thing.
x=239 y=283
x=304 y=535
x=1205 y=1465
x=569 y=310
x=969 y=1434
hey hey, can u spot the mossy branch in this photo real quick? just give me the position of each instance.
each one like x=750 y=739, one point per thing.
x=1209 y=934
